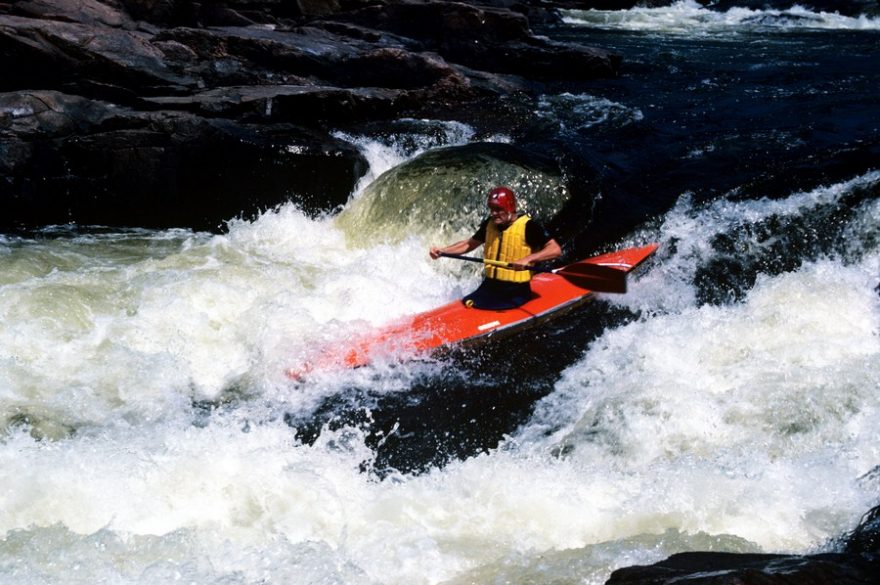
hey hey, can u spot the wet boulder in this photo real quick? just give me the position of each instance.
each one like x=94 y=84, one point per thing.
x=67 y=159
x=857 y=562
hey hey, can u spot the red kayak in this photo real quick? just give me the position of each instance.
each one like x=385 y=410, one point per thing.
x=454 y=323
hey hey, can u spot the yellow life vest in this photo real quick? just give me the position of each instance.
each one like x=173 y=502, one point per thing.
x=507 y=246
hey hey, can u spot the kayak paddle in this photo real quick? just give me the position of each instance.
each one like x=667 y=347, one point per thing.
x=594 y=277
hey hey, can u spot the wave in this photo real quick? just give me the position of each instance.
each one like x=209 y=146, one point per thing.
x=791 y=334
x=578 y=112
x=689 y=17
x=744 y=396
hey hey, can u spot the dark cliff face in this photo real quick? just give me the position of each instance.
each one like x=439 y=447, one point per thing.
x=172 y=113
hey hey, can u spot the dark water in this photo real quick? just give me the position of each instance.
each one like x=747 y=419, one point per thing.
x=750 y=113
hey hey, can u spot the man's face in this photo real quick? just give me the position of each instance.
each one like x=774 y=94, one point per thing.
x=500 y=216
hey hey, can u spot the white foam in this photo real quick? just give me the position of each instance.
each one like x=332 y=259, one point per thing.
x=206 y=314
x=689 y=17
x=740 y=427
x=690 y=229
x=383 y=156
x=582 y=111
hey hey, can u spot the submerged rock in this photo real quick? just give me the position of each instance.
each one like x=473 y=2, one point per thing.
x=711 y=568
x=857 y=563
x=445 y=187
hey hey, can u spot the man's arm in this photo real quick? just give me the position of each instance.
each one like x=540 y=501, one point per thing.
x=460 y=247
x=550 y=251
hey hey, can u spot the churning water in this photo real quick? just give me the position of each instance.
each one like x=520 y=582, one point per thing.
x=147 y=423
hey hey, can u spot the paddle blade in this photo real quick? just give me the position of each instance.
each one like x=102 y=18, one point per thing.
x=594 y=277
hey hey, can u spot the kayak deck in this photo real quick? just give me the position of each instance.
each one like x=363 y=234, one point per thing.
x=454 y=322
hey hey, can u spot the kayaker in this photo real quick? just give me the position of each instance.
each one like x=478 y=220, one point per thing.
x=507 y=237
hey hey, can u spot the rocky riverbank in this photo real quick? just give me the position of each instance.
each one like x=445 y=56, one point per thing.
x=163 y=114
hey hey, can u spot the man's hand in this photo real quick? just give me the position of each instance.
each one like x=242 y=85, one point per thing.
x=462 y=247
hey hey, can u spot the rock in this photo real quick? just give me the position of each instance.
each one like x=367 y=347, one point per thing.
x=42 y=53
x=164 y=113
x=163 y=12
x=857 y=563
x=84 y=12
x=314 y=105
x=704 y=568
x=312 y=8
x=865 y=539
x=307 y=57
x=31 y=115
x=68 y=159
x=486 y=38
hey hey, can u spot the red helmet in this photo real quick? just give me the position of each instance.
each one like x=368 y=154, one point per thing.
x=502 y=198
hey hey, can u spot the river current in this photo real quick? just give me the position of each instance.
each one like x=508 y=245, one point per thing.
x=730 y=401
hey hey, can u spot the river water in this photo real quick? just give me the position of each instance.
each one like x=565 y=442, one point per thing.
x=730 y=401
